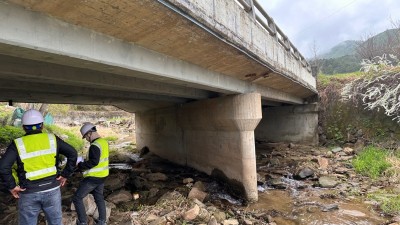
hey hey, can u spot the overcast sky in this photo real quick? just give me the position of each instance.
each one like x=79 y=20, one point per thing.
x=330 y=22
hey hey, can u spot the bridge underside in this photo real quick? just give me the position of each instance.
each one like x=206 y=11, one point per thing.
x=198 y=99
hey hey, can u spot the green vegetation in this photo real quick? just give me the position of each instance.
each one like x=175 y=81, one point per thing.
x=344 y=64
x=389 y=201
x=59 y=109
x=111 y=138
x=371 y=162
x=9 y=133
x=71 y=139
x=325 y=79
x=5 y=115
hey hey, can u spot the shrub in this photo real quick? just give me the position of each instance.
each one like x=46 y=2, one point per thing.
x=9 y=133
x=371 y=162
x=71 y=139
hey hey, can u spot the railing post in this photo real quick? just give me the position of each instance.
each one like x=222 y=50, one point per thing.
x=253 y=11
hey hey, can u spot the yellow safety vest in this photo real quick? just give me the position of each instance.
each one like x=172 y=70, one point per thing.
x=101 y=170
x=14 y=173
x=38 y=154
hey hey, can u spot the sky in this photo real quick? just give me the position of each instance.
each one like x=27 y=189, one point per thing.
x=329 y=22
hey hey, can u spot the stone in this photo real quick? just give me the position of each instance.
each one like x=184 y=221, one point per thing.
x=219 y=216
x=336 y=150
x=212 y=221
x=153 y=192
x=115 y=182
x=120 y=196
x=247 y=222
x=156 y=177
x=354 y=213
x=199 y=185
x=231 y=222
x=192 y=213
x=152 y=217
x=323 y=163
x=169 y=196
x=89 y=203
x=196 y=193
x=69 y=218
x=306 y=172
x=348 y=151
x=260 y=178
x=327 y=182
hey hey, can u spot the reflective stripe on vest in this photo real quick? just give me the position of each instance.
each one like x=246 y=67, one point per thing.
x=101 y=169
x=37 y=153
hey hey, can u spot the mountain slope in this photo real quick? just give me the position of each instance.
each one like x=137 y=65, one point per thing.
x=342 y=49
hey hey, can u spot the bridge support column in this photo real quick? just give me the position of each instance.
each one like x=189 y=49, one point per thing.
x=215 y=136
x=297 y=124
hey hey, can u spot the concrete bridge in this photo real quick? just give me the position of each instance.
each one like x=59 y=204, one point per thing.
x=205 y=77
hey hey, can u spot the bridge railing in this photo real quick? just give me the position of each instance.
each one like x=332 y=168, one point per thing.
x=252 y=6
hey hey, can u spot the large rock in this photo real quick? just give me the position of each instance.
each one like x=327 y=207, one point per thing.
x=192 y=213
x=115 y=182
x=305 y=172
x=120 y=196
x=327 y=182
x=89 y=203
x=198 y=194
x=156 y=177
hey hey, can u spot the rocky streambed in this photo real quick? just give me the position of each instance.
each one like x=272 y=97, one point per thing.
x=297 y=185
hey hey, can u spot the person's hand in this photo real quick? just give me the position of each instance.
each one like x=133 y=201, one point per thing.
x=62 y=180
x=15 y=191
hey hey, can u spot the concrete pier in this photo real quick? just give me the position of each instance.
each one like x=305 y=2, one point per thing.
x=215 y=136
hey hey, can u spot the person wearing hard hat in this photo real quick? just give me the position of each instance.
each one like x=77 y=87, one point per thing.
x=95 y=171
x=35 y=155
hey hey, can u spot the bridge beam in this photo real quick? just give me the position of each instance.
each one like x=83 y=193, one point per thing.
x=215 y=136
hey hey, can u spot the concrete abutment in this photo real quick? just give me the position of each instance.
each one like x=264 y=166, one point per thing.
x=296 y=124
x=215 y=136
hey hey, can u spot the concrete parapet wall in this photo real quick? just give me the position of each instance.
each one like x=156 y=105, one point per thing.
x=215 y=136
x=229 y=20
x=298 y=124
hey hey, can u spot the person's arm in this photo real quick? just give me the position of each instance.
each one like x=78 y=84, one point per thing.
x=70 y=153
x=6 y=162
x=94 y=159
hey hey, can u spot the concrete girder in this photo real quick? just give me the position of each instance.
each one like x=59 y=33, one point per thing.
x=71 y=45
x=30 y=87
x=129 y=105
x=14 y=68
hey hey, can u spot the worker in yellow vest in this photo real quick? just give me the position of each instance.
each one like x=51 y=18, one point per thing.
x=95 y=171
x=39 y=181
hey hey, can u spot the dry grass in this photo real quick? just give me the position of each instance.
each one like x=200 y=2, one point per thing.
x=393 y=173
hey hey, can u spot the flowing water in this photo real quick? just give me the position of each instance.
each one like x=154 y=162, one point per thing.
x=306 y=207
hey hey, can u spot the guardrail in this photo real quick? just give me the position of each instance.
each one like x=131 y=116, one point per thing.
x=250 y=6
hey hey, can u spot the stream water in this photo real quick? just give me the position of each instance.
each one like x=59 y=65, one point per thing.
x=287 y=209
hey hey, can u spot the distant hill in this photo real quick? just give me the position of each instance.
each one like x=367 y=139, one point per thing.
x=384 y=37
x=342 y=49
x=344 y=58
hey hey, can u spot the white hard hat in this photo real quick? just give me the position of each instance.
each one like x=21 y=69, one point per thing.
x=32 y=117
x=86 y=128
